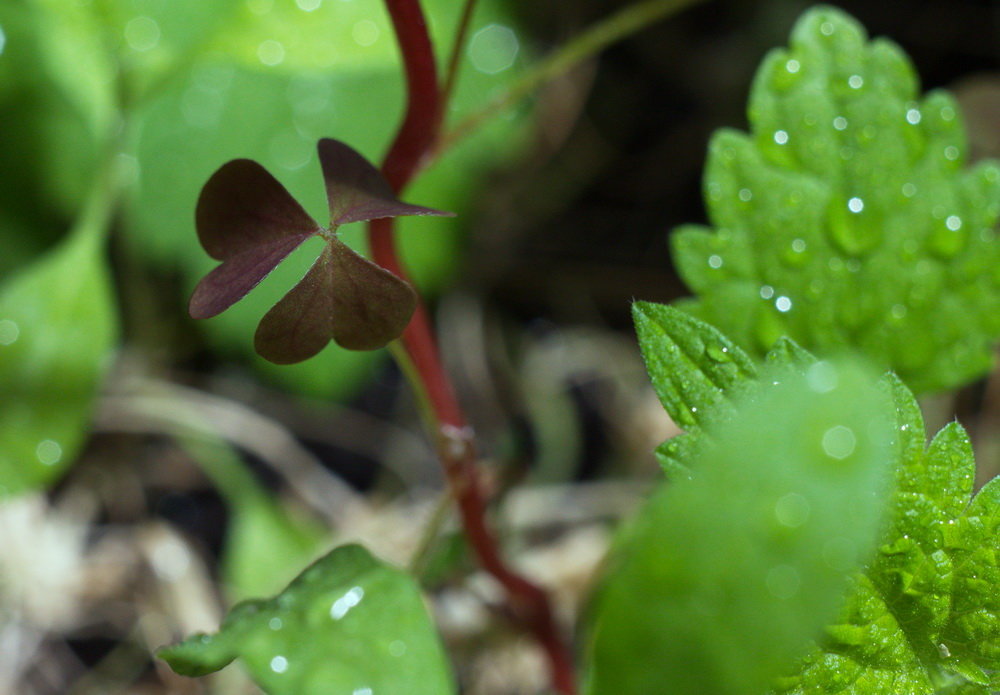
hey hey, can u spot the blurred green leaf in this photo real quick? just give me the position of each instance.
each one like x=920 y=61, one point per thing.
x=924 y=614
x=924 y=617
x=57 y=329
x=847 y=181
x=347 y=624
x=723 y=578
x=265 y=544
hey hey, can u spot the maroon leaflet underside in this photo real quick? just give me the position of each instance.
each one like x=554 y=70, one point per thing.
x=248 y=220
x=230 y=281
x=242 y=206
x=344 y=298
x=357 y=191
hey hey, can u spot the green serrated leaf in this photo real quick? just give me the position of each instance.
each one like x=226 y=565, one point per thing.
x=924 y=615
x=926 y=611
x=348 y=624
x=848 y=180
x=691 y=364
x=725 y=577
x=57 y=330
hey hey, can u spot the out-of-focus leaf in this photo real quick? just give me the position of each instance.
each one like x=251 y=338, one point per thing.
x=723 y=578
x=265 y=545
x=57 y=329
x=347 y=624
x=847 y=180
x=924 y=618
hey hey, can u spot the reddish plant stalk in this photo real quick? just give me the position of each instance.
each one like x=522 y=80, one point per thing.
x=414 y=142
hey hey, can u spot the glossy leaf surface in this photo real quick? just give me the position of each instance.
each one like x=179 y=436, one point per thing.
x=924 y=618
x=924 y=614
x=847 y=218
x=723 y=578
x=348 y=623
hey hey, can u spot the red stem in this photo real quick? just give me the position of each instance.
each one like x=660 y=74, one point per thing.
x=528 y=603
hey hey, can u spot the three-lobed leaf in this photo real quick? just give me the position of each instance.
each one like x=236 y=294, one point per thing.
x=247 y=220
x=725 y=577
x=849 y=181
x=348 y=624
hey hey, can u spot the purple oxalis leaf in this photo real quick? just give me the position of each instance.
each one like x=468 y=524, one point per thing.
x=357 y=191
x=344 y=298
x=247 y=220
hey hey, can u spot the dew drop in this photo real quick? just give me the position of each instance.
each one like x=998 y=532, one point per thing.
x=898 y=311
x=792 y=66
x=783 y=581
x=855 y=81
x=913 y=116
x=365 y=33
x=944 y=651
x=781 y=137
x=142 y=34
x=798 y=245
x=271 y=52
x=947 y=113
x=951 y=153
x=826 y=28
x=346 y=602
x=493 y=49
x=766 y=292
x=275 y=623
x=279 y=664
x=792 y=510
x=909 y=190
x=783 y=304
x=954 y=223
x=49 y=452
x=840 y=123
x=839 y=442
x=9 y=332
x=397 y=648
x=715 y=261
x=746 y=195
x=855 y=205
x=362 y=691
x=308 y=5
x=718 y=353
x=821 y=377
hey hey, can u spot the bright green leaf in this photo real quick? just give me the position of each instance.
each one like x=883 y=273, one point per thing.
x=925 y=615
x=57 y=330
x=848 y=180
x=723 y=578
x=347 y=624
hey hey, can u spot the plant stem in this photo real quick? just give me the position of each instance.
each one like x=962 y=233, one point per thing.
x=594 y=40
x=527 y=603
x=451 y=76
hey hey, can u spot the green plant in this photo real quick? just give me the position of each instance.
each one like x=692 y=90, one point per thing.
x=848 y=180
x=798 y=481
x=807 y=539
